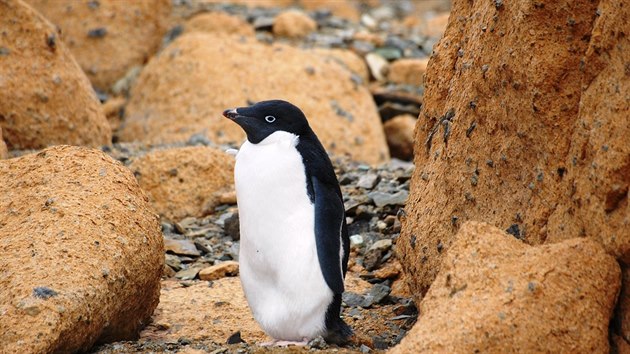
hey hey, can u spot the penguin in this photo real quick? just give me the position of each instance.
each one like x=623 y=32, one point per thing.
x=294 y=239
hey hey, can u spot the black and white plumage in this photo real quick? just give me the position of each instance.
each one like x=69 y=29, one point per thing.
x=294 y=240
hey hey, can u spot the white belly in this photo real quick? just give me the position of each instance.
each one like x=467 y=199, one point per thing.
x=279 y=268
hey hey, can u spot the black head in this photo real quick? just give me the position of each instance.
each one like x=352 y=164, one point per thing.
x=267 y=117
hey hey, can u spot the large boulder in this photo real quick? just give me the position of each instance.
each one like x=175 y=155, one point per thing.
x=82 y=252
x=622 y=318
x=45 y=98
x=523 y=126
x=108 y=37
x=186 y=181
x=598 y=162
x=183 y=91
x=4 y=153
x=495 y=294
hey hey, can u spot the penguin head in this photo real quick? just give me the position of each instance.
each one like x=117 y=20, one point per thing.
x=267 y=117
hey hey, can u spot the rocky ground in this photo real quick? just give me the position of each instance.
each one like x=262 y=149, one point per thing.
x=201 y=255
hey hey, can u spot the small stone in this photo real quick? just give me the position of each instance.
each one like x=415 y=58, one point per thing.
x=352 y=299
x=368 y=181
x=368 y=21
x=97 y=32
x=374 y=255
x=168 y=272
x=389 y=53
x=317 y=343
x=376 y=295
x=356 y=241
x=218 y=271
x=390 y=220
x=389 y=271
x=382 y=199
x=235 y=338
x=203 y=245
x=382 y=245
x=173 y=261
x=232 y=227
x=400 y=137
x=293 y=24
x=181 y=247
x=263 y=23
x=188 y=274
x=378 y=65
x=515 y=231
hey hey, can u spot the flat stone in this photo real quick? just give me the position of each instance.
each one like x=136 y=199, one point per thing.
x=374 y=255
x=352 y=299
x=232 y=227
x=218 y=271
x=188 y=274
x=368 y=181
x=382 y=199
x=173 y=261
x=381 y=245
x=181 y=247
x=376 y=295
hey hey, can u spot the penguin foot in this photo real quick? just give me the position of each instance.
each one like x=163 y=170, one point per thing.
x=284 y=343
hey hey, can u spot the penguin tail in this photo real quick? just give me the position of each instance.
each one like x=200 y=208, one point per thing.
x=338 y=332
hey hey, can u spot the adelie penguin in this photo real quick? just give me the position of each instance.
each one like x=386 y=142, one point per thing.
x=294 y=239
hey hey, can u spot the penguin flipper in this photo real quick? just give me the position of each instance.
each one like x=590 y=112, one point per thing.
x=329 y=228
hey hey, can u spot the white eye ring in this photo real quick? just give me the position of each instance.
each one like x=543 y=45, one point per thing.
x=270 y=119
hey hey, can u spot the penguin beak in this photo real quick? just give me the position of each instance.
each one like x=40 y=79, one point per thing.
x=230 y=114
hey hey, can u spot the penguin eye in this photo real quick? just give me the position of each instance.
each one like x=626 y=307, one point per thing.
x=270 y=119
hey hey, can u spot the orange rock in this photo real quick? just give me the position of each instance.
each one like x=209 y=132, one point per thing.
x=622 y=317
x=82 y=252
x=400 y=288
x=219 y=23
x=228 y=198
x=346 y=58
x=293 y=24
x=399 y=133
x=185 y=181
x=408 y=71
x=596 y=187
x=45 y=98
x=523 y=126
x=4 y=153
x=389 y=270
x=218 y=271
x=113 y=111
x=185 y=89
x=435 y=26
x=108 y=37
x=496 y=294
